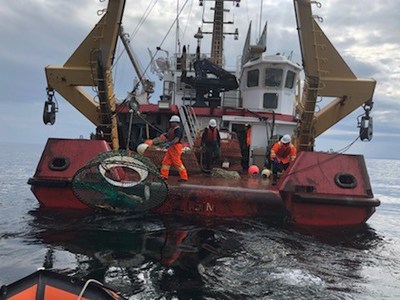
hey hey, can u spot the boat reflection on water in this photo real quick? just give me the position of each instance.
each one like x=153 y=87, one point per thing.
x=190 y=259
x=127 y=251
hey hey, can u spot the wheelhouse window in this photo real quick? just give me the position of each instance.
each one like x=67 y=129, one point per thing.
x=290 y=76
x=252 y=78
x=270 y=100
x=273 y=77
x=168 y=87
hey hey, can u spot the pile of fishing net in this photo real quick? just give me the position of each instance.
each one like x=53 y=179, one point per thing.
x=218 y=172
x=120 y=181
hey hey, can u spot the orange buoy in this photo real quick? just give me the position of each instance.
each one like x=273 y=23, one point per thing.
x=253 y=170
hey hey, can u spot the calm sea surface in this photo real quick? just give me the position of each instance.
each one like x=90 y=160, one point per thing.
x=224 y=259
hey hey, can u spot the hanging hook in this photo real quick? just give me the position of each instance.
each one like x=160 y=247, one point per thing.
x=365 y=123
x=50 y=108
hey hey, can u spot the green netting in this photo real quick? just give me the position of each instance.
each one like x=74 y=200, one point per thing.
x=120 y=181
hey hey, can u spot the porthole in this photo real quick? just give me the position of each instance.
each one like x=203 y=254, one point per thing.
x=59 y=163
x=345 y=180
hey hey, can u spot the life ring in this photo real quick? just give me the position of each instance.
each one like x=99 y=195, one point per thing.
x=123 y=162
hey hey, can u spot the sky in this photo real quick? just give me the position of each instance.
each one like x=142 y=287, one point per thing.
x=37 y=33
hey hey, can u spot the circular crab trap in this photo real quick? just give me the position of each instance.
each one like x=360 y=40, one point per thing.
x=120 y=181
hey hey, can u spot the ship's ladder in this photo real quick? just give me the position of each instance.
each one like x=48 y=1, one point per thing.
x=218 y=34
x=102 y=81
x=307 y=113
x=102 y=88
x=308 y=105
x=190 y=123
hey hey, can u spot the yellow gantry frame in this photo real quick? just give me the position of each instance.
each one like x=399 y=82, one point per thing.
x=326 y=75
x=80 y=70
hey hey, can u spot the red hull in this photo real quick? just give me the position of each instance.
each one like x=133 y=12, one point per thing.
x=251 y=197
x=330 y=214
x=319 y=189
x=60 y=160
x=328 y=189
x=57 y=197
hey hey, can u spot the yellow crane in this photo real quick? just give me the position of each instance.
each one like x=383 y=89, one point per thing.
x=326 y=75
x=91 y=65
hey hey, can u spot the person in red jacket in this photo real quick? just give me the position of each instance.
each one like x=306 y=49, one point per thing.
x=174 y=150
x=211 y=141
x=282 y=153
x=245 y=146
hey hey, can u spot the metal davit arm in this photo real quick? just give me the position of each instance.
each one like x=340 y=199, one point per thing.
x=90 y=65
x=327 y=74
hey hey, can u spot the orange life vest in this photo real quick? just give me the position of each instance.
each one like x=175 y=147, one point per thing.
x=248 y=137
x=284 y=154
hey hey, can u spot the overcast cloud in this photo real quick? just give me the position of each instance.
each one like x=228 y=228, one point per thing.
x=37 y=33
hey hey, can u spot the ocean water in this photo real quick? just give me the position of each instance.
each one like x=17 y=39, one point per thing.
x=215 y=259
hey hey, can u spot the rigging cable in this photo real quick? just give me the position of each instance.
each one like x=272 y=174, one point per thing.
x=187 y=22
x=136 y=30
x=172 y=25
x=151 y=125
x=344 y=149
x=129 y=129
x=152 y=58
x=143 y=18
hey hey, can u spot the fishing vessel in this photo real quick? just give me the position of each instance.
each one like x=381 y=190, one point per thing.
x=118 y=168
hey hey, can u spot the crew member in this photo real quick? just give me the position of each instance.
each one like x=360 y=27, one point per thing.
x=211 y=141
x=246 y=147
x=282 y=153
x=174 y=152
x=248 y=135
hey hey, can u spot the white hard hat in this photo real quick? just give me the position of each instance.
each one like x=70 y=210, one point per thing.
x=212 y=123
x=175 y=118
x=266 y=173
x=142 y=148
x=286 y=139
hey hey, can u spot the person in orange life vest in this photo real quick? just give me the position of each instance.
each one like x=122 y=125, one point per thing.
x=171 y=249
x=248 y=135
x=174 y=150
x=282 y=153
x=211 y=141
